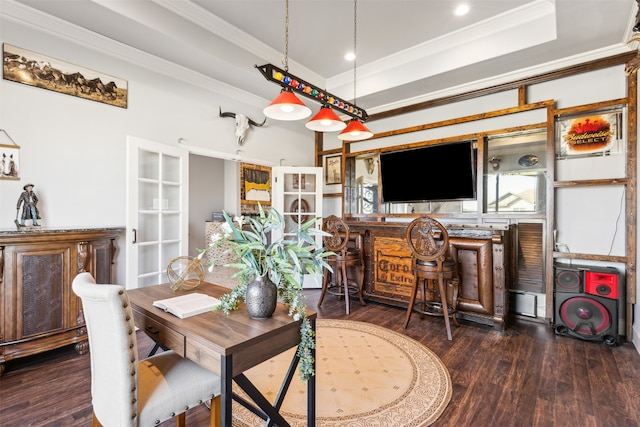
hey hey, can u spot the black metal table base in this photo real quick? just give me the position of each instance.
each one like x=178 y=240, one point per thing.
x=266 y=411
x=271 y=413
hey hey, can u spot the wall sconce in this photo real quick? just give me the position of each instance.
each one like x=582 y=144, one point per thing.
x=495 y=162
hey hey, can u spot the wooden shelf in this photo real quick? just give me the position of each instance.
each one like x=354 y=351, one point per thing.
x=591 y=257
x=590 y=182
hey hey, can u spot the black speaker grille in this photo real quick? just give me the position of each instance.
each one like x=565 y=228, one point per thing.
x=585 y=316
x=568 y=280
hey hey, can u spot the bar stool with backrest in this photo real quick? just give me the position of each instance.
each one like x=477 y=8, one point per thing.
x=428 y=241
x=348 y=256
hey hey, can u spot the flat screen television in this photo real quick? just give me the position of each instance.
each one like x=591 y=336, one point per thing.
x=443 y=172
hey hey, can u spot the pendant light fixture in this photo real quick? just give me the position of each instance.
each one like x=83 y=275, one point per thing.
x=287 y=106
x=326 y=120
x=301 y=87
x=355 y=130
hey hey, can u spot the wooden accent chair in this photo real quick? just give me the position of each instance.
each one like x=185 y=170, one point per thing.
x=431 y=265
x=348 y=255
x=129 y=392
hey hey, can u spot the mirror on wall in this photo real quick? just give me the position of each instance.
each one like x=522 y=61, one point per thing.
x=361 y=184
x=366 y=169
x=516 y=172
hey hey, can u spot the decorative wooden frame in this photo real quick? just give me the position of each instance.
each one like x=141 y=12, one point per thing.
x=592 y=133
x=34 y=69
x=9 y=158
x=255 y=184
x=333 y=170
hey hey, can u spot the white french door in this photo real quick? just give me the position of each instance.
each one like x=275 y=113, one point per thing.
x=157 y=209
x=297 y=194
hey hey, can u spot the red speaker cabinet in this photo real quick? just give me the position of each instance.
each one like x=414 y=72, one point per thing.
x=602 y=283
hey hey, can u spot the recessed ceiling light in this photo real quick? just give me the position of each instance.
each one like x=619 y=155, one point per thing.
x=461 y=10
x=350 y=56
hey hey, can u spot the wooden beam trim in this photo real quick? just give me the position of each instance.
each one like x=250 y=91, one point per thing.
x=522 y=95
x=548 y=238
x=523 y=128
x=591 y=182
x=589 y=257
x=332 y=151
x=466 y=119
x=631 y=192
x=318 y=146
x=591 y=107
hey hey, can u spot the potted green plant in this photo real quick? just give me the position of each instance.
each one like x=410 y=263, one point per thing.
x=265 y=255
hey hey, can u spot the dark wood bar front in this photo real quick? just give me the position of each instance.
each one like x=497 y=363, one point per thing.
x=483 y=253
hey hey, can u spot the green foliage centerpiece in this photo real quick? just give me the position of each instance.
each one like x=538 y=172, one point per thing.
x=283 y=259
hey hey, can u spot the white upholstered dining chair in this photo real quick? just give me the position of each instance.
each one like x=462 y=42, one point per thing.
x=128 y=392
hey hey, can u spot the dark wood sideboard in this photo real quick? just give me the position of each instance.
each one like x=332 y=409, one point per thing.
x=38 y=309
x=483 y=253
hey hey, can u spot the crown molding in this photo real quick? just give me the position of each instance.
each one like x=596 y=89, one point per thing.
x=520 y=28
x=506 y=78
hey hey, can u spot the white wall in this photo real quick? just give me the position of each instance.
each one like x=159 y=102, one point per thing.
x=74 y=150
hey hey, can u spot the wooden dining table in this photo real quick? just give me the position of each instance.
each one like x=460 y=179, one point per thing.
x=227 y=345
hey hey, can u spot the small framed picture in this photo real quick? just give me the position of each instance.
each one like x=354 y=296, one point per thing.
x=255 y=184
x=9 y=162
x=299 y=181
x=333 y=169
x=38 y=70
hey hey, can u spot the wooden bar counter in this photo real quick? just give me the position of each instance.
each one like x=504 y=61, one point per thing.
x=482 y=251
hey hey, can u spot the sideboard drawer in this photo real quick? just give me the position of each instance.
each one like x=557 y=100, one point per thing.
x=161 y=334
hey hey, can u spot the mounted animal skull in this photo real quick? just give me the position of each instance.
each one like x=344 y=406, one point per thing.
x=242 y=124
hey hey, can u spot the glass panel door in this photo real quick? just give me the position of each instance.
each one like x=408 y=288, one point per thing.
x=157 y=212
x=297 y=194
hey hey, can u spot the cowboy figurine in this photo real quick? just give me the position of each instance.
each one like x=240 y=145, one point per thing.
x=28 y=200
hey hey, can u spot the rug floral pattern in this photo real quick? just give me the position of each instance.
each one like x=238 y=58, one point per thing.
x=366 y=375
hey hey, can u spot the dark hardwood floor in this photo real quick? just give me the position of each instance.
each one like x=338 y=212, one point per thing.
x=523 y=376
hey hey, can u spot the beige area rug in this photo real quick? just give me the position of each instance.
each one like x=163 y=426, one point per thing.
x=366 y=375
